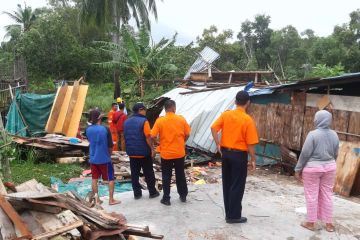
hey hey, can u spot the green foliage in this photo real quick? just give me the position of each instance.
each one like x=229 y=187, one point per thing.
x=321 y=70
x=24 y=170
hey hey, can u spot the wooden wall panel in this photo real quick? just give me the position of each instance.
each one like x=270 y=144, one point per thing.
x=296 y=127
x=270 y=121
x=348 y=163
x=63 y=110
x=286 y=119
x=354 y=126
x=71 y=108
x=56 y=108
x=308 y=124
x=78 y=109
x=258 y=112
x=341 y=122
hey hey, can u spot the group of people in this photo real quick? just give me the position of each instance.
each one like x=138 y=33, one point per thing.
x=316 y=166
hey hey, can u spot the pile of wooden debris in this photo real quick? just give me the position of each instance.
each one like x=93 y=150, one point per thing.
x=33 y=211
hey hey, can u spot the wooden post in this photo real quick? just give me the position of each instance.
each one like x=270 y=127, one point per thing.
x=256 y=77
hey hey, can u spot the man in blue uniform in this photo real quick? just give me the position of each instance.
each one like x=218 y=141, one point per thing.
x=139 y=148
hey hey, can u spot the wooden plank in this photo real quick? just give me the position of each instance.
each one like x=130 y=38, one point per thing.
x=78 y=109
x=56 y=109
x=354 y=126
x=341 y=122
x=56 y=224
x=7 y=230
x=15 y=218
x=355 y=191
x=2 y=188
x=348 y=163
x=63 y=110
x=71 y=108
x=21 y=204
x=70 y=160
x=308 y=124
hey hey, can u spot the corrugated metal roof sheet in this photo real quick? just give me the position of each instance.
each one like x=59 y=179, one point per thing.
x=201 y=110
x=207 y=56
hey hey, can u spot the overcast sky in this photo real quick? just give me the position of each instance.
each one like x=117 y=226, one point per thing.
x=190 y=17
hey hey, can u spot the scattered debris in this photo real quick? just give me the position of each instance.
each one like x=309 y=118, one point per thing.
x=37 y=212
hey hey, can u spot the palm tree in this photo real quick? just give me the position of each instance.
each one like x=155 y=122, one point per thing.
x=24 y=17
x=111 y=15
x=140 y=55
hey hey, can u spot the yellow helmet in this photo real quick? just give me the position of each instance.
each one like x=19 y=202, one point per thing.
x=119 y=100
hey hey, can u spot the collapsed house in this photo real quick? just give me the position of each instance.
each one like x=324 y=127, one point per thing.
x=283 y=113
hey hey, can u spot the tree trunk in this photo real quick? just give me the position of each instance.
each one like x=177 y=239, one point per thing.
x=142 y=90
x=117 y=88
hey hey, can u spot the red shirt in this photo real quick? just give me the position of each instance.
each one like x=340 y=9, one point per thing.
x=119 y=118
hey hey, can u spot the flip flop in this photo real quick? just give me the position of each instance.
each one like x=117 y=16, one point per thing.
x=305 y=225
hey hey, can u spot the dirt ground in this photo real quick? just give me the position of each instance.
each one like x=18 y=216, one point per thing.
x=273 y=203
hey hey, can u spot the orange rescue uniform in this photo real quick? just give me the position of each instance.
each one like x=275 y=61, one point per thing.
x=113 y=130
x=238 y=129
x=173 y=130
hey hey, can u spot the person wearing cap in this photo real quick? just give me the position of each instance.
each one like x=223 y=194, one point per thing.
x=173 y=131
x=119 y=119
x=119 y=101
x=112 y=126
x=139 y=148
x=101 y=145
x=238 y=139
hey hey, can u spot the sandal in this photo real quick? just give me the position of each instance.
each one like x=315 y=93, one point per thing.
x=330 y=227
x=308 y=226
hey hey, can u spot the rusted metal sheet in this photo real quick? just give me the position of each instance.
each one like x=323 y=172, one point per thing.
x=341 y=122
x=354 y=126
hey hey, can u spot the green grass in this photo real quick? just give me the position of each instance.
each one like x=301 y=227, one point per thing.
x=22 y=171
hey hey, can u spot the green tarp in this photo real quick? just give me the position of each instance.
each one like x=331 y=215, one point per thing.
x=35 y=110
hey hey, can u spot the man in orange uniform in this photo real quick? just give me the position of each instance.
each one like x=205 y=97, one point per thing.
x=112 y=126
x=238 y=138
x=119 y=119
x=173 y=131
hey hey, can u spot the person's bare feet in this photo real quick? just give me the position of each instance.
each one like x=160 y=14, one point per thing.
x=308 y=225
x=330 y=227
x=114 y=202
x=98 y=201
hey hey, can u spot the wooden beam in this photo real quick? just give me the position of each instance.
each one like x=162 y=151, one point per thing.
x=64 y=107
x=15 y=218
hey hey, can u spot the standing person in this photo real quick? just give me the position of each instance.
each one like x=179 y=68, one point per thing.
x=316 y=168
x=173 y=131
x=139 y=148
x=112 y=126
x=100 y=151
x=119 y=119
x=238 y=139
x=119 y=100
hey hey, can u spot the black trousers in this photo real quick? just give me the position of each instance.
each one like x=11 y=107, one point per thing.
x=146 y=164
x=234 y=173
x=166 y=168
